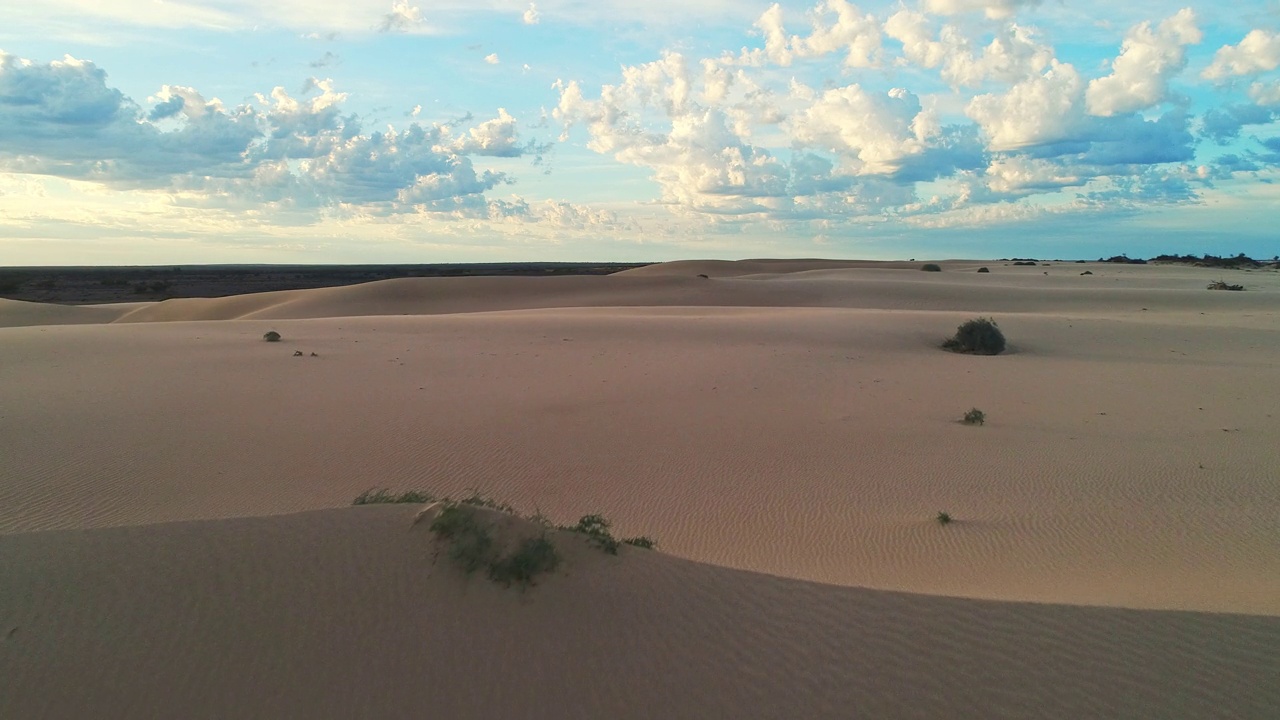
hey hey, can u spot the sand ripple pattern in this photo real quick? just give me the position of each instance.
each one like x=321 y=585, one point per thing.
x=343 y=613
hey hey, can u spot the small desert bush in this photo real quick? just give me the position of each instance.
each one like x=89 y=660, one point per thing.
x=944 y=517
x=271 y=336
x=980 y=336
x=378 y=496
x=1222 y=285
x=471 y=545
x=534 y=556
x=983 y=270
x=596 y=528
x=931 y=267
x=975 y=417
x=476 y=499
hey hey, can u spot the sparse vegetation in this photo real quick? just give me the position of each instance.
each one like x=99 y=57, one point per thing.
x=477 y=499
x=534 y=556
x=975 y=417
x=596 y=528
x=984 y=270
x=980 y=336
x=472 y=545
x=1087 y=272
x=271 y=336
x=931 y=267
x=1223 y=285
x=1025 y=263
x=944 y=517
x=156 y=286
x=378 y=496
x=1240 y=261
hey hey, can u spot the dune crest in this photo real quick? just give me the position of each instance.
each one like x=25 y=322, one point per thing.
x=350 y=613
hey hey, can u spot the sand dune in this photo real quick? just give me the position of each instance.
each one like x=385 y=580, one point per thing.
x=16 y=313
x=345 y=613
x=789 y=418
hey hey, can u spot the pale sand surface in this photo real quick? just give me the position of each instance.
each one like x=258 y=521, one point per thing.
x=791 y=418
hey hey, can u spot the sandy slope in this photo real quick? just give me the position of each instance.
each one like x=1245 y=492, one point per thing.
x=790 y=418
x=344 y=614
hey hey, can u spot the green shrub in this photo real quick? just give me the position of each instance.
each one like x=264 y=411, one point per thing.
x=478 y=500
x=596 y=528
x=931 y=267
x=984 y=270
x=975 y=417
x=377 y=496
x=944 y=517
x=534 y=556
x=980 y=336
x=271 y=336
x=470 y=543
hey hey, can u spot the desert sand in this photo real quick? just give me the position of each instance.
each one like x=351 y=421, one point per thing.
x=176 y=537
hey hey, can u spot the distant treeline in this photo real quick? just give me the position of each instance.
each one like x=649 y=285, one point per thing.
x=1240 y=261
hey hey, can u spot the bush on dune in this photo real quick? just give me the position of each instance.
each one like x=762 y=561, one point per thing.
x=377 y=496
x=472 y=545
x=931 y=267
x=980 y=336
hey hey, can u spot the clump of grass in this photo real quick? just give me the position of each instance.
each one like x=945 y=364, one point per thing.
x=931 y=267
x=271 y=336
x=471 y=545
x=476 y=499
x=975 y=417
x=944 y=517
x=1222 y=285
x=984 y=270
x=534 y=556
x=596 y=528
x=380 y=496
x=980 y=336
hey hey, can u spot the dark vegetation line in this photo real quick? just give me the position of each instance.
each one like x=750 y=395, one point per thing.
x=87 y=285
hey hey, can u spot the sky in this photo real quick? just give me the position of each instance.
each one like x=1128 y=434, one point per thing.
x=154 y=132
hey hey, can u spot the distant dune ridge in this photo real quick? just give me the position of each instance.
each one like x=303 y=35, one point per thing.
x=176 y=543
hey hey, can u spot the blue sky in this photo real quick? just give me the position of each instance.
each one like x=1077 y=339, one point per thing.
x=318 y=131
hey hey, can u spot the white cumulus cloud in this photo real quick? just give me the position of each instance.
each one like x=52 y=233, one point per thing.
x=1149 y=57
x=1259 y=51
x=991 y=8
x=402 y=18
x=1043 y=109
x=531 y=15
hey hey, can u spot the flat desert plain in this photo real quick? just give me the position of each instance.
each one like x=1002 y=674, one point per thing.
x=177 y=538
